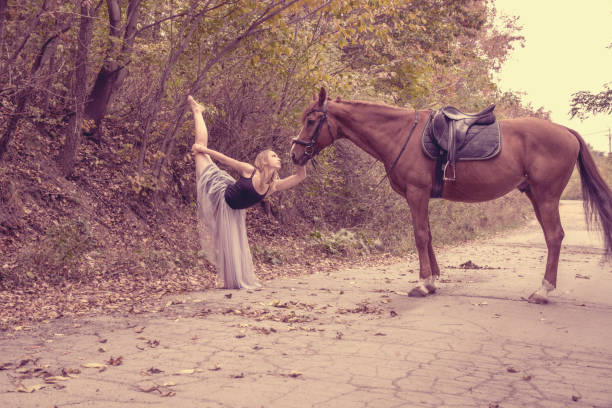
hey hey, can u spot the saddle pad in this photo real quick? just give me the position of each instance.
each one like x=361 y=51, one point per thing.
x=481 y=143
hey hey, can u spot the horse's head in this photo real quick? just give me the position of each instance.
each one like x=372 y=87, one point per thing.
x=316 y=133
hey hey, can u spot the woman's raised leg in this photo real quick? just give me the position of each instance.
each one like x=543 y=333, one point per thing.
x=201 y=134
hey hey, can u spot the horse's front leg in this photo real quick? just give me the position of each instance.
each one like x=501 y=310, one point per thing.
x=428 y=267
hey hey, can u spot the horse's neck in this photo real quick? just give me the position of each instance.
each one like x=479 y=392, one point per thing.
x=375 y=129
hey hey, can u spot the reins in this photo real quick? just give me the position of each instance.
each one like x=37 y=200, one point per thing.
x=416 y=121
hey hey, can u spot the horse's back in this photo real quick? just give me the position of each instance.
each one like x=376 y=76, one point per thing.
x=540 y=137
x=548 y=151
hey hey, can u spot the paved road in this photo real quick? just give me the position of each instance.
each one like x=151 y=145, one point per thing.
x=351 y=338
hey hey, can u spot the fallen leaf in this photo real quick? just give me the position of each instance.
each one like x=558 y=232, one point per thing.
x=139 y=329
x=70 y=372
x=55 y=378
x=93 y=365
x=216 y=367
x=512 y=370
x=187 y=371
x=153 y=343
x=115 y=361
x=31 y=388
x=149 y=389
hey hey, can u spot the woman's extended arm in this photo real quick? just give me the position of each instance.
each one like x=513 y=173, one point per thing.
x=245 y=169
x=291 y=181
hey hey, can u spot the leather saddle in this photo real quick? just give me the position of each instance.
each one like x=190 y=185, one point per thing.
x=450 y=128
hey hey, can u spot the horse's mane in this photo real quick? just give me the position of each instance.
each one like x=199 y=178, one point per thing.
x=357 y=102
x=377 y=106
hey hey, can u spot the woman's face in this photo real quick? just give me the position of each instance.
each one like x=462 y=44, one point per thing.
x=274 y=161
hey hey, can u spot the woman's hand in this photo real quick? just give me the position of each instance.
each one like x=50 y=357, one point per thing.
x=199 y=148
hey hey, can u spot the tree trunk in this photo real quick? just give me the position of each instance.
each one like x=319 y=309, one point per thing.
x=3 y=8
x=67 y=155
x=113 y=71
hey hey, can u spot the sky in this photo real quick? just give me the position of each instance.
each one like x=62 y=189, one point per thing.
x=565 y=52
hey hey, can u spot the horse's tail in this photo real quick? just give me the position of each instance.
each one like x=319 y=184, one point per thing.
x=596 y=195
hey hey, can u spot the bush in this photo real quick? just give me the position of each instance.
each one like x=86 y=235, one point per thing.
x=58 y=256
x=342 y=242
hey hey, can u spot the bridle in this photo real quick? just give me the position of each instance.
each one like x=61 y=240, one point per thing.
x=310 y=147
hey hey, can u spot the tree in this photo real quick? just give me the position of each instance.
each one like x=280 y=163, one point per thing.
x=21 y=86
x=584 y=103
x=69 y=150
x=114 y=69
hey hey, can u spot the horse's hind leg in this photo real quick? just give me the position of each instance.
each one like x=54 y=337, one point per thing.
x=547 y=212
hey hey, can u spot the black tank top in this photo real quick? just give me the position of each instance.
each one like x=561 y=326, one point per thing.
x=242 y=194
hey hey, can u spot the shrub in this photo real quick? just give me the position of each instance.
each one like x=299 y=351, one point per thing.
x=58 y=256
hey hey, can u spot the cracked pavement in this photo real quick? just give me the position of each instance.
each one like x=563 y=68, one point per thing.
x=350 y=338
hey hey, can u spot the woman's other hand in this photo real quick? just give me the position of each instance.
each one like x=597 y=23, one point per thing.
x=199 y=148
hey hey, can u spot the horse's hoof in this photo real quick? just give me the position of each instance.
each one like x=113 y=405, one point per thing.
x=538 y=299
x=418 y=291
x=431 y=288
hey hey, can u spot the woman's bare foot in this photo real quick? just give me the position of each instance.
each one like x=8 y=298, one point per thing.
x=195 y=106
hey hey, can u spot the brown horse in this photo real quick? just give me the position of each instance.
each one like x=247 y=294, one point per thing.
x=536 y=155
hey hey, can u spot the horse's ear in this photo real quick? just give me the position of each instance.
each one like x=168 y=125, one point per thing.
x=322 y=96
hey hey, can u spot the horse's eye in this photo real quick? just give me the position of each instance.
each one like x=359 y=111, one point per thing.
x=310 y=122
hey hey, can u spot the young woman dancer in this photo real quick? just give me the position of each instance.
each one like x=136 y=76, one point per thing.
x=222 y=201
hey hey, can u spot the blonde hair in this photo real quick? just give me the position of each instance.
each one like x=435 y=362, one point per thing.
x=261 y=164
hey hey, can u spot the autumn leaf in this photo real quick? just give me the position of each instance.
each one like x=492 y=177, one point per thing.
x=115 y=361
x=31 y=388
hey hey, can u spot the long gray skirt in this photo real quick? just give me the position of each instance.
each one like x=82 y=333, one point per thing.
x=223 y=230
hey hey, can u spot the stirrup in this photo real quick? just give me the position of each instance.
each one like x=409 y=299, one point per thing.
x=453 y=178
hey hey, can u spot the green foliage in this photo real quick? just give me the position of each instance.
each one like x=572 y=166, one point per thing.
x=268 y=255
x=341 y=242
